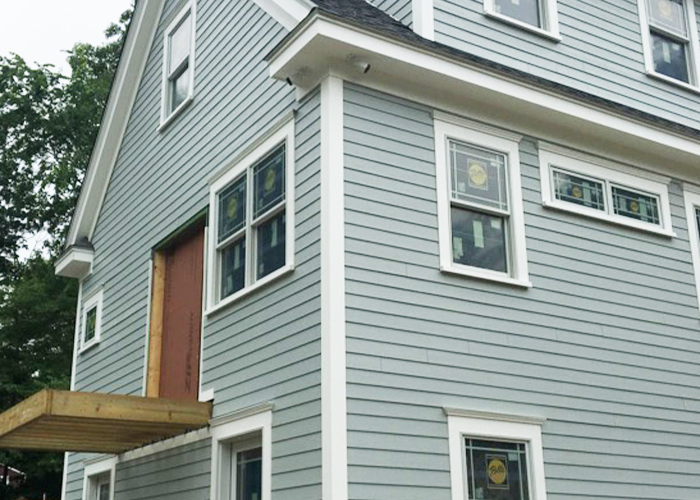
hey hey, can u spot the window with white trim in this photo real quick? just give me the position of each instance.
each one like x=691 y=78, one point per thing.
x=252 y=219
x=91 y=324
x=591 y=186
x=480 y=211
x=495 y=457
x=241 y=458
x=670 y=40
x=539 y=16
x=692 y=211
x=98 y=482
x=178 y=63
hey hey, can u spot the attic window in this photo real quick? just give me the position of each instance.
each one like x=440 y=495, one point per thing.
x=538 y=16
x=91 y=328
x=178 y=64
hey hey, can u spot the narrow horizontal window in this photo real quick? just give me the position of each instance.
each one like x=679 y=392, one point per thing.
x=580 y=183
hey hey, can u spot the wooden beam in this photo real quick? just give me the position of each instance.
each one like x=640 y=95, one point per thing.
x=155 y=343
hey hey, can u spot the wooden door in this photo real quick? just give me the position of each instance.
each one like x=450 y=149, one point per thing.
x=177 y=306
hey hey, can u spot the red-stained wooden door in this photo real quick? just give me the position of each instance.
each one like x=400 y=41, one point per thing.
x=182 y=318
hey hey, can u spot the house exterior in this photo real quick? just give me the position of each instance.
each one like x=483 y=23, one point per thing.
x=428 y=249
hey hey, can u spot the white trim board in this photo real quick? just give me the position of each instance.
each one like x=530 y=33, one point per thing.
x=333 y=355
x=423 y=13
x=286 y=12
x=692 y=202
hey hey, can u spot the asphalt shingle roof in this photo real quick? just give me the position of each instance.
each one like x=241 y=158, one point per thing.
x=365 y=15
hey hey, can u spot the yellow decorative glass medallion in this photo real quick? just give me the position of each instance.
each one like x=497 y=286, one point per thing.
x=270 y=179
x=231 y=209
x=497 y=471
x=478 y=177
x=665 y=8
x=634 y=206
x=576 y=192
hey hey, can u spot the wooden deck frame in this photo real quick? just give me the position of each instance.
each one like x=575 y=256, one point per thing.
x=98 y=423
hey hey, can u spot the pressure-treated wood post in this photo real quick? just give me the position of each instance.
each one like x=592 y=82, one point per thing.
x=155 y=344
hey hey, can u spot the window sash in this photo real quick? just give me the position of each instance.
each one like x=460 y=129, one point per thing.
x=655 y=25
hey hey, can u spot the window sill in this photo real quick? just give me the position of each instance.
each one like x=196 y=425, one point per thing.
x=620 y=221
x=555 y=37
x=89 y=346
x=166 y=122
x=673 y=81
x=281 y=272
x=481 y=274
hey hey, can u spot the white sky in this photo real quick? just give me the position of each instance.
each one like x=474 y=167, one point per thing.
x=40 y=30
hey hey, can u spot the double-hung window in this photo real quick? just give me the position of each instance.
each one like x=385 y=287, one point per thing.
x=539 y=16
x=670 y=39
x=253 y=220
x=480 y=212
x=178 y=64
x=591 y=186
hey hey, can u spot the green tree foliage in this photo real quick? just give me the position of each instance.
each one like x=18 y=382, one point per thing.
x=48 y=125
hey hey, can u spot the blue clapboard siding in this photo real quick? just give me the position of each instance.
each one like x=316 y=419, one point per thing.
x=600 y=52
x=266 y=347
x=181 y=473
x=398 y=9
x=605 y=346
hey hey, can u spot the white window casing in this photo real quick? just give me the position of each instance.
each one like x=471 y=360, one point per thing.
x=172 y=71
x=692 y=206
x=97 y=475
x=548 y=13
x=464 y=424
x=282 y=135
x=451 y=128
x=690 y=40
x=611 y=175
x=251 y=429
x=93 y=302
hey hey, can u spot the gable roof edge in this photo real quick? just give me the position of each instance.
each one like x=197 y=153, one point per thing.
x=114 y=121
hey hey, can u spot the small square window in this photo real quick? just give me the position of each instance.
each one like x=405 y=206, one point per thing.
x=252 y=205
x=91 y=321
x=496 y=470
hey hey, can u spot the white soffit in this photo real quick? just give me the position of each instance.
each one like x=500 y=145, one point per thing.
x=326 y=45
x=286 y=12
x=75 y=263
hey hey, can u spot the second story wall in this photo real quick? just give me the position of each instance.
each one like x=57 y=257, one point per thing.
x=600 y=52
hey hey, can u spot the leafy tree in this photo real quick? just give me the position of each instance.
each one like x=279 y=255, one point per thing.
x=48 y=125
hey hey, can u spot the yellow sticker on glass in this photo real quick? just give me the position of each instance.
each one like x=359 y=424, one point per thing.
x=231 y=208
x=497 y=470
x=270 y=179
x=478 y=177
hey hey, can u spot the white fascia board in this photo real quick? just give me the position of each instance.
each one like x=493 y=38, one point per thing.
x=75 y=263
x=116 y=116
x=325 y=43
x=286 y=12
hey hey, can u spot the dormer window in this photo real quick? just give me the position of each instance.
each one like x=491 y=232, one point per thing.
x=539 y=16
x=178 y=64
x=670 y=41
